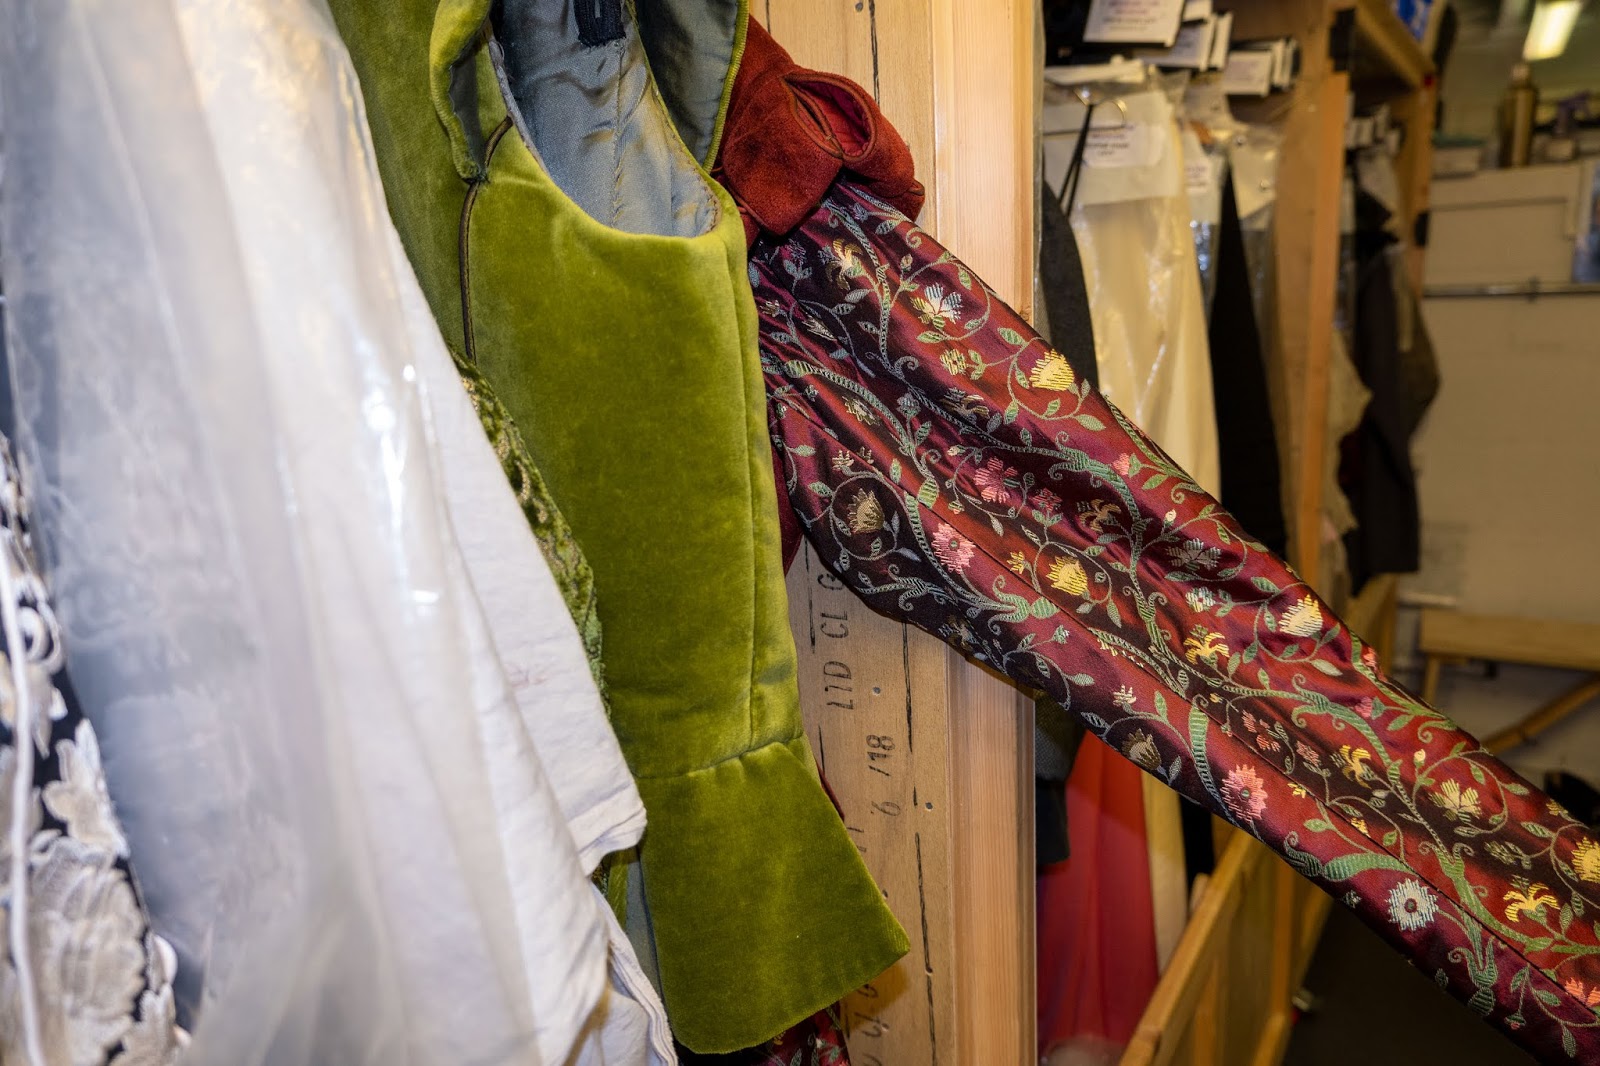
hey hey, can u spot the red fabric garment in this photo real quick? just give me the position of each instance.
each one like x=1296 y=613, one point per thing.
x=950 y=469
x=1097 y=968
x=791 y=131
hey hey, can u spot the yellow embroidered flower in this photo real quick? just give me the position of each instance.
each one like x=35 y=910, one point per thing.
x=953 y=360
x=1298 y=790
x=843 y=461
x=846 y=262
x=865 y=513
x=1052 y=372
x=1361 y=825
x=1528 y=899
x=1068 y=576
x=1559 y=811
x=1354 y=762
x=1203 y=644
x=863 y=414
x=1586 y=860
x=1303 y=619
x=1456 y=801
x=1018 y=562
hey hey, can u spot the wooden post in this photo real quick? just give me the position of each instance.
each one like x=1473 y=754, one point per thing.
x=944 y=814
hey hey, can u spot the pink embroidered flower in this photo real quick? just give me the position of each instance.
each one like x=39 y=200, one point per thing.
x=991 y=480
x=1123 y=464
x=1045 y=504
x=1588 y=996
x=1244 y=793
x=1364 y=708
x=1250 y=721
x=953 y=550
x=1266 y=743
x=1369 y=658
x=1308 y=753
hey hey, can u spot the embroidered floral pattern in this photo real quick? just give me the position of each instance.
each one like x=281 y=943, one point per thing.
x=571 y=570
x=1411 y=905
x=102 y=982
x=1345 y=773
x=1245 y=794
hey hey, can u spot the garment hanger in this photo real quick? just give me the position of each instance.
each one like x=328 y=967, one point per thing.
x=1091 y=100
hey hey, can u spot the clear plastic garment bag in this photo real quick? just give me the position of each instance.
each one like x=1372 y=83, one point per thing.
x=260 y=592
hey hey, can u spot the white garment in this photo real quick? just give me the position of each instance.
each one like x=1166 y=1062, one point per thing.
x=337 y=802
x=1131 y=222
x=285 y=63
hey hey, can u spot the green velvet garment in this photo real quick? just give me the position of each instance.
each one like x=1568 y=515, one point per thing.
x=624 y=350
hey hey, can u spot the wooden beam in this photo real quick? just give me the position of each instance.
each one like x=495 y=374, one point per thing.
x=1551 y=714
x=1498 y=638
x=1159 y=1035
x=1387 y=49
x=950 y=837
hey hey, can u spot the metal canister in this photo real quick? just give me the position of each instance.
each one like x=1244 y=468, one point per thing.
x=1517 y=109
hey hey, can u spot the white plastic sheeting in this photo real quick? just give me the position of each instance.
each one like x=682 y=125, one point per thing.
x=336 y=809
x=1131 y=218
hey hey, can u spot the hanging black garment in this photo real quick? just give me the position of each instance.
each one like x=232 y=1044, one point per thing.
x=1375 y=461
x=1057 y=734
x=1247 y=441
x=1061 y=284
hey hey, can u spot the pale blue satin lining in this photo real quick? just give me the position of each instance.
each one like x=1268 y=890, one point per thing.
x=594 y=119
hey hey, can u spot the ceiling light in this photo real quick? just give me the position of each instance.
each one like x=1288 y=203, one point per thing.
x=1551 y=28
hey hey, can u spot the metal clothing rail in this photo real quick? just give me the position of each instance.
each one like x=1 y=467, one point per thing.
x=1531 y=289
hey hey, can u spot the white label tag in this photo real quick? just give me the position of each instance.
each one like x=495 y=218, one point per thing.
x=1191 y=50
x=1196 y=9
x=1248 y=73
x=1122 y=146
x=1221 y=36
x=1133 y=21
x=1197 y=175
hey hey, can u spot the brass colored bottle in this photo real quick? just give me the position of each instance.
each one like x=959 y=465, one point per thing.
x=1517 y=109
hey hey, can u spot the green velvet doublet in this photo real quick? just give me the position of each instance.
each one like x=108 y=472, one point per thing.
x=574 y=250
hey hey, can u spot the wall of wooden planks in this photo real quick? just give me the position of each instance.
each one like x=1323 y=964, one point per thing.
x=929 y=756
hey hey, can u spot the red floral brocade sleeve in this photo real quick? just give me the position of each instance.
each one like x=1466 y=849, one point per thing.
x=947 y=465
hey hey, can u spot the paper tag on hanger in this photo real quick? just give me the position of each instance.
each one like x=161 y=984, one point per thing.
x=1133 y=22
x=1191 y=50
x=1221 y=39
x=1119 y=146
x=1132 y=151
x=1249 y=72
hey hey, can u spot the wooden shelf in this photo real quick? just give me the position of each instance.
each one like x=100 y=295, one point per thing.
x=1385 y=49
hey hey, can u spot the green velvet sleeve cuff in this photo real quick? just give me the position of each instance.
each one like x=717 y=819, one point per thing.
x=762 y=909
